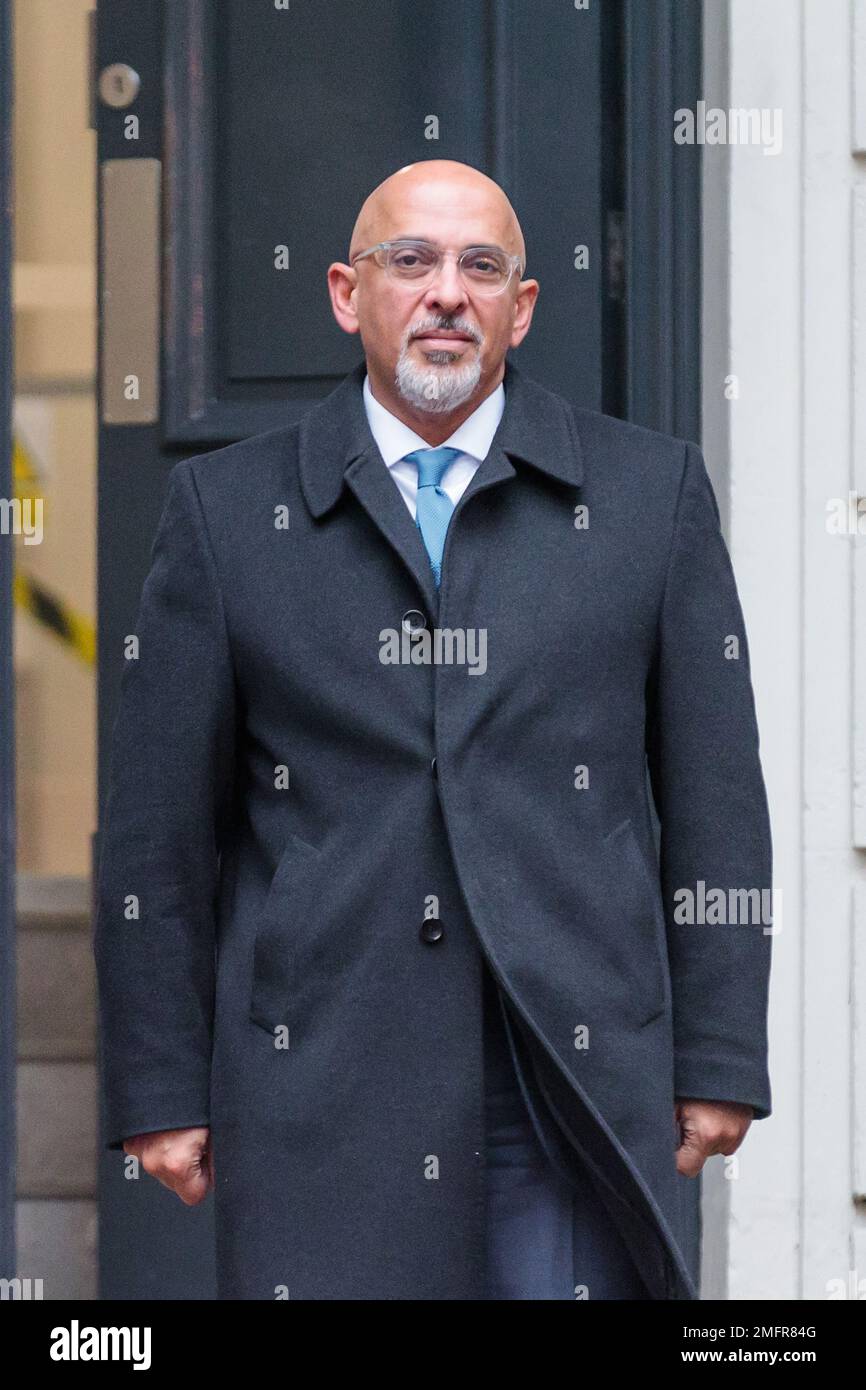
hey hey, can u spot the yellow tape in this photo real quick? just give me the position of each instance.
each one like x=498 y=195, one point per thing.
x=73 y=629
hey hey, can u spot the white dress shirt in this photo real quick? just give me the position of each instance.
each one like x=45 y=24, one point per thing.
x=473 y=438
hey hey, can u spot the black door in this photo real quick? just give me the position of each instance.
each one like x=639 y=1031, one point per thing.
x=237 y=140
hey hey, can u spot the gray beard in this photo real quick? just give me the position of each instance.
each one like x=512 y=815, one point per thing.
x=436 y=389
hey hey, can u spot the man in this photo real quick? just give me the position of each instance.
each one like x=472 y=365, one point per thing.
x=385 y=951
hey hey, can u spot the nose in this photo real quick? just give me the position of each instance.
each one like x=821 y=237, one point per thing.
x=446 y=290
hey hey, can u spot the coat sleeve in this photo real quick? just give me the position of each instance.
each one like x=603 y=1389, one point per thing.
x=170 y=785
x=705 y=771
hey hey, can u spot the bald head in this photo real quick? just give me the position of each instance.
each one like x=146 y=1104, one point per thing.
x=439 y=199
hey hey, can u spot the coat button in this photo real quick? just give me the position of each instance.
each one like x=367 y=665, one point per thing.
x=434 y=770
x=414 y=620
x=431 y=930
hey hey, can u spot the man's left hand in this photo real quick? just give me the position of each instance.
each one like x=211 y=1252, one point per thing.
x=709 y=1127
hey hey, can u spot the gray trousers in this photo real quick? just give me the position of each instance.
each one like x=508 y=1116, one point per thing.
x=548 y=1236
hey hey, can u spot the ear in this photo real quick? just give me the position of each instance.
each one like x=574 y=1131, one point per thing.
x=524 y=305
x=342 y=283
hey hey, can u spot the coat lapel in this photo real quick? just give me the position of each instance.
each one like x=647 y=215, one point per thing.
x=375 y=489
x=337 y=450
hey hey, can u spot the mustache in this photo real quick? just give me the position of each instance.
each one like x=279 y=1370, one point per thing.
x=446 y=326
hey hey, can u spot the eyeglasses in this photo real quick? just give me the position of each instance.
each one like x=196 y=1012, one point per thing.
x=486 y=269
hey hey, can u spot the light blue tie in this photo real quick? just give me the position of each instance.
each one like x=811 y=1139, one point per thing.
x=434 y=507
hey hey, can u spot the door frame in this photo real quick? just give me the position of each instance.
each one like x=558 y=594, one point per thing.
x=663 y=57
x=8 y=1030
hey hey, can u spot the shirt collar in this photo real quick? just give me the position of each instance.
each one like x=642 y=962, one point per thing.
x=395 y=439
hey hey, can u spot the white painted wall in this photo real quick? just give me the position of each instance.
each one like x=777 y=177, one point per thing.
x=783 y=253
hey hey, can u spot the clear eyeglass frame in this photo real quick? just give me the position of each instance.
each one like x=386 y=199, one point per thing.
x=389 y=250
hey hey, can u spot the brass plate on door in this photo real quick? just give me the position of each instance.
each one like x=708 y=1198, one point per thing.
x=130 y=291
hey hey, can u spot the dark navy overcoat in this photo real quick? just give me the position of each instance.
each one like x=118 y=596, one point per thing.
x=317 y=754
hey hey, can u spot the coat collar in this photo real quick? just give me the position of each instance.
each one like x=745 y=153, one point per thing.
x=537 y=428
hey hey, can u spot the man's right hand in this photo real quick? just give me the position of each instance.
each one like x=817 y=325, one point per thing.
x=181 y=1159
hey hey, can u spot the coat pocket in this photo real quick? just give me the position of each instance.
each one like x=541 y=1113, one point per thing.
x=283 y=916
x=639 y=893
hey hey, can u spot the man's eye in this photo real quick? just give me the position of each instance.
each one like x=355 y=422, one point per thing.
x=484 y=265
x=412 y=258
